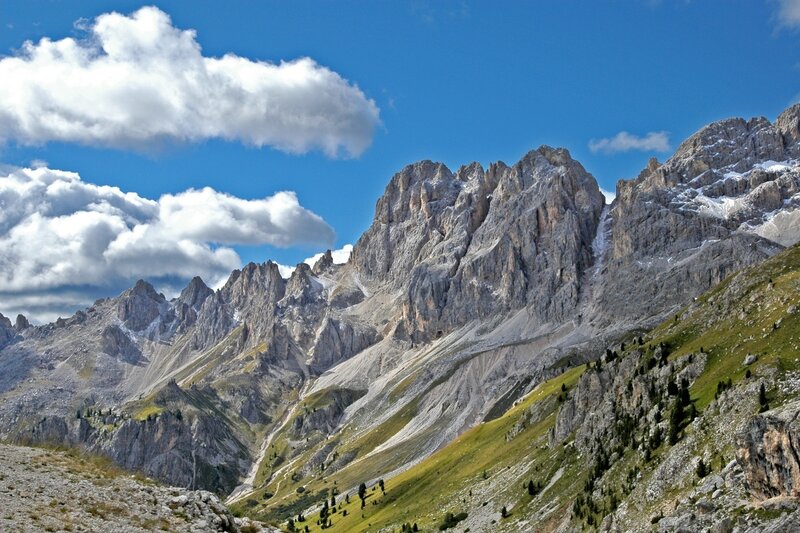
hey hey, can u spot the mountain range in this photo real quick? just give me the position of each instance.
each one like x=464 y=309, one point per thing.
x=484 y=307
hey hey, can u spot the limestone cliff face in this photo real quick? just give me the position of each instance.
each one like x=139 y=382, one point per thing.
x=192 y=454
x=325 y=418
x=116 y=343
x=336 y=341
x=253 y=293
x=534 y=244
x=195 y=451
x=476 y=243
x=769 y=453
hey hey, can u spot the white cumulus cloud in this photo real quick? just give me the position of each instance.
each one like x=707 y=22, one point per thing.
x=610 y=195
x=340 y=257
x=64 y=241
x=655 y=141
x=787 y=14
x=137 y=82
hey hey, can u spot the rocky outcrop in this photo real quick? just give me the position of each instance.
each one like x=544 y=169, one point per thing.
x=337 y=341
x=195 y=293
x=302 y=290
x=215 y=319
x=254 y=285
x=117 y=343
x=345 y=296
x=643 y=291
x=769 y=453
x=252 y=295
x=326 y=417
x=323 y=263
x=608 y=404
x=171 y=449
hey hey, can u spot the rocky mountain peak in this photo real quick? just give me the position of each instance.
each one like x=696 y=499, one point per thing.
x=788 y=124
x=301 y=287
x=436 y=233
x=254 y=281
x=21 y=323
x=323 y=263
x=415 y=191
x=143 y=288
x=189 y=303
x=139 y=306
x=730 y=145
x=729 y=196
x=557 y=157
x=426 y=205
x=195 y=293
x=469 y=172
x=734 y=142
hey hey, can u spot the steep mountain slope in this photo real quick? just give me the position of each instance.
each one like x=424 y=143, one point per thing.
x=468 y=290
x=601 y=445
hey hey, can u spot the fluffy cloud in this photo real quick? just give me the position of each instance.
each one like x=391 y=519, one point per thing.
x=610 y=195
x=788 y=13
x=138 y=81
x=655 y=141
x=63 y=241
x=340 y=257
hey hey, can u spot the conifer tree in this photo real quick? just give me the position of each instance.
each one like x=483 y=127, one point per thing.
x=702 y=469
x=762 y=399
x=675 y=419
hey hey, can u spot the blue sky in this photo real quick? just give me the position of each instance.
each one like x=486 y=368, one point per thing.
x=453 y=81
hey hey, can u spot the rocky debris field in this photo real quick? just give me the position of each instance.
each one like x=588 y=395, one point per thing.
x=44 y=490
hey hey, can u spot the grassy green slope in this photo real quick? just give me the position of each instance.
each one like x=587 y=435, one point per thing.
x=469 y=463
x=748 y=313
